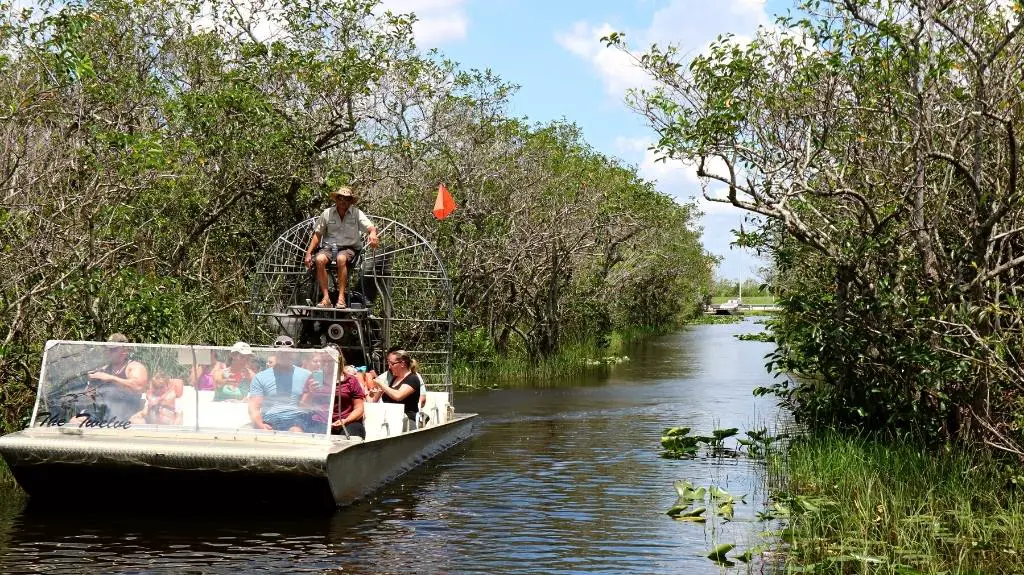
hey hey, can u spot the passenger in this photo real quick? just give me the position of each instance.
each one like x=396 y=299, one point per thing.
x=276 y=392
x=348 y=407
x=315 y=363
x=160 y=398
x=337 y=237
x=372 y=384
x=120 y=383
x=371 y=378
x=316 y=398
x=360 y=375
x=405 y=384
x=201 y=376
x=234 y=380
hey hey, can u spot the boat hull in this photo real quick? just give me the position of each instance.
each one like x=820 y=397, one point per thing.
x=115 y=470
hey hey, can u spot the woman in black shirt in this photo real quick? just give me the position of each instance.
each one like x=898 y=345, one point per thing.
x=405 y=384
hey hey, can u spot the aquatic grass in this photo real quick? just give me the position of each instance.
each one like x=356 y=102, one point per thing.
x=748 y=300
x=714 y=319
x=573 y=360
x=853 y=505
x=764 y=336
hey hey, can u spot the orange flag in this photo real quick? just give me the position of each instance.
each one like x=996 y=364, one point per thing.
x=444 y=205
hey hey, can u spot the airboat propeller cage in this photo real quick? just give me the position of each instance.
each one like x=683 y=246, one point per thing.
x=399 y=296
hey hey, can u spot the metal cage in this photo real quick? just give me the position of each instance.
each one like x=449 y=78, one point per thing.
x=399 y=296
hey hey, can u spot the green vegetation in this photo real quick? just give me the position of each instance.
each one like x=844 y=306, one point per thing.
x=751 y=300
x=572 y=362
x=764 y=336
x=712 y=319
x=842 y=505
x=150 y=151
x=856 y=506
x=728 y=289
x=876 y=146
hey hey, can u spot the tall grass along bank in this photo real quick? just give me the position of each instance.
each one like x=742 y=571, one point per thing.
x=858 y=506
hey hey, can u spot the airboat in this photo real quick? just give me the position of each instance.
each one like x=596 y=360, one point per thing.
x=172 y=438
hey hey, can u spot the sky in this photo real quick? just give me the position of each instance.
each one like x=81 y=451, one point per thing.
x=551 y=49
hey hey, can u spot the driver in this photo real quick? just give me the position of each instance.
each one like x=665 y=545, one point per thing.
x=120 y=383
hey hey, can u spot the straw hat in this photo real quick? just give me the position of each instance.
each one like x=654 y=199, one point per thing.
x=344 y=192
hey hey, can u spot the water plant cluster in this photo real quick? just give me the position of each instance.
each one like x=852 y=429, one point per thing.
x=678 y=443
x=707 y=319
x=763 y=336
x=695 y=503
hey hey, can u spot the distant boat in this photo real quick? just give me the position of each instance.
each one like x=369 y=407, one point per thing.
x=731 y=307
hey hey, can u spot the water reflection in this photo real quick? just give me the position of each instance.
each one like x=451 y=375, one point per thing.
x=557 y=480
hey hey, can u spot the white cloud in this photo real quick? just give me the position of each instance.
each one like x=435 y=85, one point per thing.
x=679 y=179
x=438 y=21
x=631 y=146
x=691 y=24
x=616 y=69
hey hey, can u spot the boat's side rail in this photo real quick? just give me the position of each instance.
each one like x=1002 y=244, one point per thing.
x=185 y=453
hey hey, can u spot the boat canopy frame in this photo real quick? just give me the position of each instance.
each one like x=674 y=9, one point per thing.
x=399 y=297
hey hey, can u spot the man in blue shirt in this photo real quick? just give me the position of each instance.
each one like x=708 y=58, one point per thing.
x=275 y=394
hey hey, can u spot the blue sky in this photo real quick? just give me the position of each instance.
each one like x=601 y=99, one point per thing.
x=551 y=49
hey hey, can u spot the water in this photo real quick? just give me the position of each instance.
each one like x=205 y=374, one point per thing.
x=562 y=477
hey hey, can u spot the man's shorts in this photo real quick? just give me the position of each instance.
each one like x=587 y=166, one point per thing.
x=333 y=251
x=285 y=421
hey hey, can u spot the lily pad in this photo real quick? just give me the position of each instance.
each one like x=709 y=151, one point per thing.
x=720 y=551
x=677 y=509
x=696 y=495
x=726 y=510
x=682 y=487
x=691 y=519
x=721 y=434
x=717 y=492
x=694 y=512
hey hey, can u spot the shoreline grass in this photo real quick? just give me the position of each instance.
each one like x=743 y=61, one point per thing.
x=748 y=300
x=573 y=360
x=859 y=506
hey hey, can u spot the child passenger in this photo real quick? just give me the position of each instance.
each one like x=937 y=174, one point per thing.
x=159 y=409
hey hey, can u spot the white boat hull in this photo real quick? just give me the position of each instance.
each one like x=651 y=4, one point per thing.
x=112 y=467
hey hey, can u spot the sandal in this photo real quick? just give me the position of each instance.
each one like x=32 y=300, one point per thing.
x=341 y=304
x=324 y=303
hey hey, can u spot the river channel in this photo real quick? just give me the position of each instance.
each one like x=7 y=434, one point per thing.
x=561 y=477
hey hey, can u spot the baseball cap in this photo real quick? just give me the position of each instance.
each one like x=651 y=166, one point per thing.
x=241 y=348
